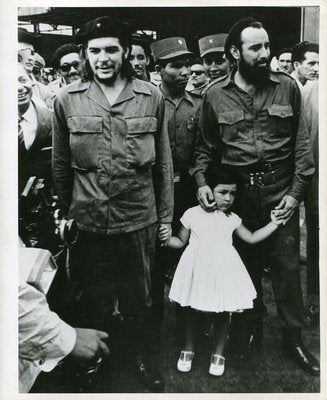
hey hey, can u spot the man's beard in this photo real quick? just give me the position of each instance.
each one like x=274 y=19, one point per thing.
x=254 y=74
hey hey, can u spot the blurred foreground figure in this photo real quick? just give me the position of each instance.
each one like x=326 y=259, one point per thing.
x=45 y=339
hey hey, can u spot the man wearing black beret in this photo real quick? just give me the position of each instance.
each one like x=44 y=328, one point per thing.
x=113 y=171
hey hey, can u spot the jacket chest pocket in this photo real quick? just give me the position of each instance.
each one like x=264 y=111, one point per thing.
x=232 y=125
x=85 y=135
x=141 y=140
x=279 y=120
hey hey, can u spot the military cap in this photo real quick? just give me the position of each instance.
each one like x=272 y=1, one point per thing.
x=103 y=27
x=169 y=48
x=212 y=43
x=24 y=36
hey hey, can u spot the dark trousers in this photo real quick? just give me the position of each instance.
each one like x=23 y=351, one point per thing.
x=109 y=271
x=280 y=251
x=311 y=203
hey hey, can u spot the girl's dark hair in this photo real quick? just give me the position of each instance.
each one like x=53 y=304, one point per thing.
x=127 y=70
x=221 y=174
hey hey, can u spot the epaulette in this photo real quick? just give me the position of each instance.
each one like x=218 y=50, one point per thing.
x=214 y=82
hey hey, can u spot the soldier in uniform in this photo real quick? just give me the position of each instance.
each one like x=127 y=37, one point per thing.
x=113 y=171
x=172 y=59
x=251 y=122
x=213 y=56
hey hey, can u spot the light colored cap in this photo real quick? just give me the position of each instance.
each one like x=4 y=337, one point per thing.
x=38 y=61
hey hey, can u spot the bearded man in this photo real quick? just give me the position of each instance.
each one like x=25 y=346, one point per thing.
x=251 y=122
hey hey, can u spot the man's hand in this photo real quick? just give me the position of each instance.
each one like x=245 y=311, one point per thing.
x=164 y=233
x=285 y=209
x=206 y=199
x=90 y=345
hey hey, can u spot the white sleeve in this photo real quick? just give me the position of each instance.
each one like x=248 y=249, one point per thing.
x=44 y=338
x=236 y=221
x=186 y=218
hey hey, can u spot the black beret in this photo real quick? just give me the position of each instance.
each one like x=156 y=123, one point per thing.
x=62 y=51
x=26 y=37
x=103 y=27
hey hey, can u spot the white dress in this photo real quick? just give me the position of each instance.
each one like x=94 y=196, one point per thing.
x=210 y=275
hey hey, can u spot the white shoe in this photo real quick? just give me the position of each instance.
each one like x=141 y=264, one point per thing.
x=217 y=365
x=183 y=364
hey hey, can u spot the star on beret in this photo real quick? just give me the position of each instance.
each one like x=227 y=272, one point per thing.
x=180 y=42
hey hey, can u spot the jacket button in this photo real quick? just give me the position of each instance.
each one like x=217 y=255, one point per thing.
x=42 y=361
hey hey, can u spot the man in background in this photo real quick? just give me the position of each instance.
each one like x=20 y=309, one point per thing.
x=39 y=64
x=140 y=59
x=284 y=60
x=34 y=134
x=26 y=43
x=305 y=59
x=198 y=80
x=65 y=61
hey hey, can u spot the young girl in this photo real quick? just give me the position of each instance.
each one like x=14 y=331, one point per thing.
x=210 y=275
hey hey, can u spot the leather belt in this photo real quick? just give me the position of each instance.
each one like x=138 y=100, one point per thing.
x=260 y=174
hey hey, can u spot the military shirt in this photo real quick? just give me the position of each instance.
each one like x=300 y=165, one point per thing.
x=241 y=129
x=182 y=128
x=112 y=163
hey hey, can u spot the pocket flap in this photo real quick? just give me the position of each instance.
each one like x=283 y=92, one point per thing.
x=280 y=111
x=85 y=124
x=230 y=117
x=141 y=124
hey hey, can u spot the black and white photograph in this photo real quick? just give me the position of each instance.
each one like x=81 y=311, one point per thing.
x=166 y=229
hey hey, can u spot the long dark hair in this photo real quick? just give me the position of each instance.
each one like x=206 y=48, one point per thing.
x=126 y=71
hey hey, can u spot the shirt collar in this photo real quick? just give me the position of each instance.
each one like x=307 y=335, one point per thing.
x=135 y=85
x=229 y=79
x=186 y=96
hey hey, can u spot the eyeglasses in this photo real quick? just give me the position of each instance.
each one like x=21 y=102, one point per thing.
x=197 y=73
x=67 y=67
x=36 y=70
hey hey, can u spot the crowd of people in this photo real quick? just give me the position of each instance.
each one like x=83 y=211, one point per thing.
x=210 y=152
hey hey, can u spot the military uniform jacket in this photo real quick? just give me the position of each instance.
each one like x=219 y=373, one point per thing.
x=240 y=129
x=112 y=163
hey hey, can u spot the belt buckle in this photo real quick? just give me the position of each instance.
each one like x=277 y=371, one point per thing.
x=262 y=178
x=256 y=179
x=177 y=177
